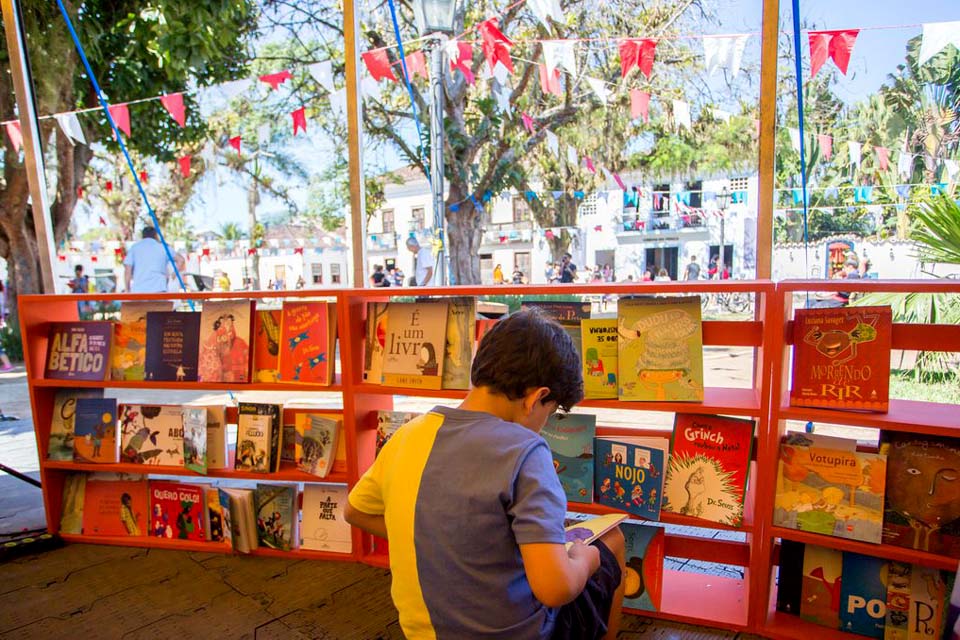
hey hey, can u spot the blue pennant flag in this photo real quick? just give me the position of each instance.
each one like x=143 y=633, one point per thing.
x=531 y=195
x=578 y=195
x=831 y=192
x=903 y=190
x=797 y=196
x=455 y=207
x=487 y=195
x=556 y=194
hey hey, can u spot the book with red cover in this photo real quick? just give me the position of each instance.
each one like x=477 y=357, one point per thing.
x=841 y=358
x=115 y=508
x=266 y=345
x=79 y=351
x=225 y=328
x=177 y=511
x=643 y=578
x=306 y=333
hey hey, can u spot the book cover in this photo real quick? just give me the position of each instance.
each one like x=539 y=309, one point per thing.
x=266 y=345
x=830 y=491
x=896 y=622
x=226 y=514
x=258 y=437
x=709 y=464
x=277 y=514
x=195 y=439
x=304 y=343
x=589 y=529
x=922 y=506
x=841 y=358
x=151 y=434
x=416 y=335
x=660 y=349
x=599 y=357
x=130 y=338
x=458 y=354
x=563 y=311
x=483 y=326
x=177 y=510
x=79 y=350
x=242 y=517
x=225 y=328
x=71 y=504
x=115 y=508
x=643 y=578
x=375 y=341
x=95 y=430
x=628 y=474
x=388 y=422
x=928 y=597
x=60 y=444
x=863 y=595
x=317 y=439
x=570 y=437
x=173 y=345
x=215 y=530
x=820 y=587
x=217 y=436
x=323 y=527
x=790 y=576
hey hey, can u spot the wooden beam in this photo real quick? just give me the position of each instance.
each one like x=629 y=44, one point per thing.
x=768 y=118
x=358 y=218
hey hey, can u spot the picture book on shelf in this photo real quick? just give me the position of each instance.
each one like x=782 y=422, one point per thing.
x=709 y=464
x=151 y=434
x=277 y=515
x=239 y=509
x=643 y=578
x=130 y=338
x=79 y=350
x=820 y=586
x=628 y=474
x=388 y=422
x=60 y=444
x=790 y=576
x=317 y=438
x=95 y=430
x=215 y=520
x=570 y=437
x=307 y=334
x=115 y=508
x=375 y=341
x=588 y=529
x=226 y=512
x=217 y=445
x=599 y=340
x=266 y=345
x=71 y=503
x=225 y=328
x=928 y=601
x=177 y=510
x=195 y=438
x=323 y=527
x=863 y=594
x=897 y=618
x=173 y=344
x=826 y=489
x=414 y=345
x=568 y=313
x=660 y=349
x=458 y=354
x=258 y=437
x=841 y=358
x=922 y=506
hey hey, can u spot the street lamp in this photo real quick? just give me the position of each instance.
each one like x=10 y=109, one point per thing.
x=723 y=201
x=435 y=22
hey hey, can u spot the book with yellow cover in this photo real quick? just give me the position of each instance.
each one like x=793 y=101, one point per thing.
x=458 y=354
x=599 y=357
x=414 y=345
x=130 y=338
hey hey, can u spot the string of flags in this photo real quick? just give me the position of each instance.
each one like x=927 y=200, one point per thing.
x=211 y=250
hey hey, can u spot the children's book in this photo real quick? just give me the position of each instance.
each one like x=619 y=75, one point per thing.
x=130 y=338
x=896 y=621
x=388 y=422
x=709 y=464
x=628 y=474
x=458 y=354
x=483 y=326
x=922 y=506
x=375 y=342
x=790 y=576
x=151 y=434
x=569 y=314
x=226 y=512
x=928 y=598
x=177 y=511
x=258 y=437
x=317 y=437
x=570 y=437
x=60 y=445
x=599 y=357
x=589 y=529
x=71 y=505
x=215 y=528
x=660 y=349
x=323 y=527
x=225 y=328
x=643 y=578
x=841 y=358
x=266 y=345
x=416 y=335
x=115 y=508
x=307 y=331
x=95 y=430
x=820 y=587
x=217 y=445
x=173 y=345
x=243 y=510
x=195 y=439
x=79 y=351
x=277 y=515
x=829 y=490
x=863 y=595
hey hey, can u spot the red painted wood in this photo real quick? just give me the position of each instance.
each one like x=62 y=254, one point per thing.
x=287 y=473
x=915 y=337
x=915 y=416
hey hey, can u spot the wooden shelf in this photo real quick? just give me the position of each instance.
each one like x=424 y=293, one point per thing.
x=186 y=386
x=201 y=546
x=697 y=598
x=665 y=517
x=381 y=390
x=929 y=418
x=286 y=474
x=725 y=400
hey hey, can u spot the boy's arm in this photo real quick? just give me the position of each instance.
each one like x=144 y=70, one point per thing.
x=370 y=523
x=557 y=576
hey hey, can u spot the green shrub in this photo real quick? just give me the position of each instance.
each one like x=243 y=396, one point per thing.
x=11 y=343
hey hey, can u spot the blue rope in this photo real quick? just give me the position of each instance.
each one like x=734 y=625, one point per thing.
x=406 y=81
x=798 y=60
x=123 y=147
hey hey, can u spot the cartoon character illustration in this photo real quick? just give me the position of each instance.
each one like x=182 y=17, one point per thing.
x=428 y=364
x=185 y=524
x=247 y=455
x=605 y=486
x=161 y=523
x=594 y=363
x=181 y=372
x=636 y=496
x=559 y=468
x=834 y=343
x=127 y=515
x=696 y=493
x=224 y=356
x=652 y=499
x=619 y=490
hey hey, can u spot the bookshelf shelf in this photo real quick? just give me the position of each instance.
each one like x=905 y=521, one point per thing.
x=186 y=386
x=380 y=390
x=286 y=474
x=930 y=418
x=702 y=599
x=665 y=517
x=723 y=400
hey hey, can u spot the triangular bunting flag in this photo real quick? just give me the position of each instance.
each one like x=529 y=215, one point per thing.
x=501 y=94
x=853 y=148
x=496 y=46
x=826 y=145
x=560 y=54
x=883 y=157
x=600 y=88
x=952 y=168
x=417 y=64
x=553 y=143
x=173 y=103
x=322 y=72
x=276 y=79
x=70 y=125
x=639 y=104
x=528 y=123
x=544 y=9
x=378 y=64
x=572 y=158
x=723 y=53
x=235 y=143
x=794 y=138
x=121 y=117
x=184 y=162
x=299 y=120
x=619 y=181
x=463 y=60
x=936 y=36
x=589 y=164
x=15 y=135
x=635 y=52
x=370 y=88
x=835 y=44
x=549 y=82
x=144 y=176
x=903 y=190
x=681 y=114
x=905 y=164
x=500 y=73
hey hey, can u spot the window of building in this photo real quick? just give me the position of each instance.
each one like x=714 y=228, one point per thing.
x=316 y=273
x=521 y=209
x=521 y=262
x=739 y=184
x=661 y=198
x=696 y=193
x=388 y=222
x=416 y=219
x=334 y=273
x=486 y=267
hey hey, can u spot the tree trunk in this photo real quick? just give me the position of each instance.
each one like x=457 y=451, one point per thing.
x=253 y=198
x=464 y=234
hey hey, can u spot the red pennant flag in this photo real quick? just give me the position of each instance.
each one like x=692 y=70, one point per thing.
x=378 y=64
x=835 y=44
x=173 y=103
x=61 y=257
x=589 y=163
x=121 y=117
x=599 y=227
x=883 y=157
x=276 y=79
x=417 y=65
x=528 y=123
x=549 y=82
x=635 y=52
x=299 y=120
x=503 y=239
x=93 y=258
x=826 y=145
x=206 y=252
x=184 y=162
x=640 y=104
x=298 y=250
x=464 y=61
x=235 y=143
x=15 y=135
x=103 y=221
x=619 y=181
x=496 y=46
x=548 y=234
x=109 y=188
x=251 y=251
x=143 y=176
x=79 y=192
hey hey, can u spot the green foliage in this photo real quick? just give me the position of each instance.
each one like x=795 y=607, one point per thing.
x=11 y=342
x=938 y=230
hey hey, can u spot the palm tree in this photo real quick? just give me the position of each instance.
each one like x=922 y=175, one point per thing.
x=231 y=231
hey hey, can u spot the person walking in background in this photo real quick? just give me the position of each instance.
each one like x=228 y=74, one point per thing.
x=568 y=270
x=145 y=266
x=379 y=278
x=174 y=283
x=693 y=269
x=498 y=275
x=663 y=276
x=422 y=263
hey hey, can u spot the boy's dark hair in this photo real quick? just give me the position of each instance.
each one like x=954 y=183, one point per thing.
x=528 y=350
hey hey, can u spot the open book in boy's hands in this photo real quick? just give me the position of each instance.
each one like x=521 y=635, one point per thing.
x=589 y=530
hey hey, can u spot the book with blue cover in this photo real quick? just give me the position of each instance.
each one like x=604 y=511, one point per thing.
x=643 y=578
x=863 y=594
x=629 y=473
x=95 y=431
x=173 y=346
x=570 y=437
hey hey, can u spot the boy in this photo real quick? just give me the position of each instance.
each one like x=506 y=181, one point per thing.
x=474 y=511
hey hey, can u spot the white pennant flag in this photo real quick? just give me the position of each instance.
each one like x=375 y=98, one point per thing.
x=720 y=114
x=452 y=48
x=501 y=94
x=794 y=138
x=338 y=101
x=572 y=157
x=600 y=88
x=854 y=149
x=235 y=87
x=209 y=157
x=553 y=143
x=905 y=164
x=723 y=53
x=681 y=114
x=370 y=88
x=560 y=54
x=263 y=135
x=544 y=9
x=936 y=36
x=322 y=72
x=952 y=168
x=71 y=127
x=500 y=73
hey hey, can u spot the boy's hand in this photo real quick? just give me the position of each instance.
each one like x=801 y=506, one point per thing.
x=587 y=554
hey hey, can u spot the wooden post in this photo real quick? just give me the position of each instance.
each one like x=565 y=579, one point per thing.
x=768 y=117
x=358 y=218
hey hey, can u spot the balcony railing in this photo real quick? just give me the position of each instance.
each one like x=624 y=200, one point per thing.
x=508 y=232
x=381 y=241
x=659 y=223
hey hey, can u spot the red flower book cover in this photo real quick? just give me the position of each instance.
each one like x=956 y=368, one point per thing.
x=303 y=343
x=176 y=511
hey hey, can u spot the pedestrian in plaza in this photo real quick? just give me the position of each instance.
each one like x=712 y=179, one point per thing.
x=693 y=269
x=568 y=270
x=498 y=275
x=301 y=283
x=423 y=262
x=379 y=278
x=145 y=266
x=663 y=275
x=173 y=284
x=517 y=276
x=647 y=275
x=607 y=273
x=397 y=277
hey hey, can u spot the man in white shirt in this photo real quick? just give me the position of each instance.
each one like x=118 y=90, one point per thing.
x=146 y=265
x=423 y=261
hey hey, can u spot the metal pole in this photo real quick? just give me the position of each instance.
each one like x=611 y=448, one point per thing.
x=435 y=43
x=30 y=128
x=723 y=254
